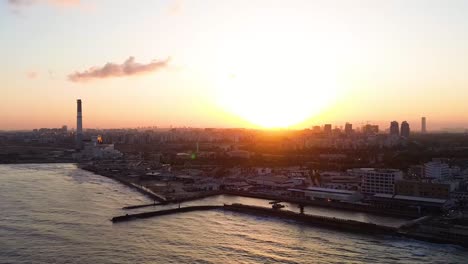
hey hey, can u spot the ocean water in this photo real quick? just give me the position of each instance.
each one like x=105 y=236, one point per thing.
x=57 y=213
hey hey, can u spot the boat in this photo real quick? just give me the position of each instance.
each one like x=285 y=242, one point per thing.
x=277 y=206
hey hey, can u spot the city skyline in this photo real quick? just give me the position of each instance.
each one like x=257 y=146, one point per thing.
x=180 y=63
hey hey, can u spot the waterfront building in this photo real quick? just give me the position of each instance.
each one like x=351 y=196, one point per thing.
x=424 y=189
x=405 y=129
x=377 y=180
x=403 y=203
x=394 y=129
x=436 y=170
x=339 y=180
x=326 y=194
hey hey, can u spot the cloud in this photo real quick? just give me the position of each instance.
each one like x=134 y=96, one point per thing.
x=32 y=75
x=176 y=7
x=24 y=3
x=109 y=70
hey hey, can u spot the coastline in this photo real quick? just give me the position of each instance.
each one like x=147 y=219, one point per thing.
x=405 y=233
x=325 y=204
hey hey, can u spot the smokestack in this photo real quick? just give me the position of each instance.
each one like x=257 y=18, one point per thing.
x=79 y=126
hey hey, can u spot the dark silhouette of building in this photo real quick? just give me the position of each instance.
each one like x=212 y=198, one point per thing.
x=348 y=128
x=370 y=129
x=394 y=128
x=405 y=129
x=79 y=126
x=423 y=125
x=327 y=129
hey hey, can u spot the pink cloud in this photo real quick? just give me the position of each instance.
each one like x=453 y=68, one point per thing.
x=32 y=75
x=23 y=3
x=109 y=70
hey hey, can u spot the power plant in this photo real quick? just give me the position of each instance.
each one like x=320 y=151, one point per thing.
x=79 y=126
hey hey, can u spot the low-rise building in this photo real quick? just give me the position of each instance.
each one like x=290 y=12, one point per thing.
x=377 y=180
x=409 y=203
x=423 y=189
x=317 y=193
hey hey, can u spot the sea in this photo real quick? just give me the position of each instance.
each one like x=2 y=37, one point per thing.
x=58 y=213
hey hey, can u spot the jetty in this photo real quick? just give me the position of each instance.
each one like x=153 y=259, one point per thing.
x=129 y=217
x=257 y=210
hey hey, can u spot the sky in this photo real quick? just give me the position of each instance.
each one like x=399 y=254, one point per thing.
x=243 y=63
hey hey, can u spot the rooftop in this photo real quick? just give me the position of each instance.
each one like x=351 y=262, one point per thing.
x=410 y=198
x=324 y=190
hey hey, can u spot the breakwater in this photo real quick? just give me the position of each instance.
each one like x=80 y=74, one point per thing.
x=312 y=219
x=257 y=210
x=129 y=217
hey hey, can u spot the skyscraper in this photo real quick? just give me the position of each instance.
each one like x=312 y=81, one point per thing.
x=394 y=129
x=348 y=128
x=423 y=125
x=405 y=129
x=79 y=126
x=327 y=128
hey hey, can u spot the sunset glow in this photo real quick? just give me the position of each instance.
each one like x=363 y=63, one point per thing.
x=262 y=64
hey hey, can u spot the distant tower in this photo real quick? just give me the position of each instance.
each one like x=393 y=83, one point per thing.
x=79 y=126
x=405 y=129
x=348 y=128
x=423 y=125
x=327 y=128
x=394 y=129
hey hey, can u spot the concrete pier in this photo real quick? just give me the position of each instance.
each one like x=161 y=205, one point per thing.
x=129 y=217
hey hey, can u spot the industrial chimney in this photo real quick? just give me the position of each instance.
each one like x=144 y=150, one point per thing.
x=79 y=126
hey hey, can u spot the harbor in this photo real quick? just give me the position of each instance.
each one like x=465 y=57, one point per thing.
x=411 y=229
x=325 y=221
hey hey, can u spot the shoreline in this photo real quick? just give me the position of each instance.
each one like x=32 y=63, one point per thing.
x=334 y=205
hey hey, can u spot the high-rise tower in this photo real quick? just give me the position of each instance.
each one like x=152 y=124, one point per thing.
x=423 y=125
x=394 y=129
x=79 y=126
x=405 y=129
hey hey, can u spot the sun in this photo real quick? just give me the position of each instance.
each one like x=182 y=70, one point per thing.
x=277 y=93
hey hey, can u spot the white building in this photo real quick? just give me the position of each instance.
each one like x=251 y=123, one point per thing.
x=436 y=170
x=377 y=180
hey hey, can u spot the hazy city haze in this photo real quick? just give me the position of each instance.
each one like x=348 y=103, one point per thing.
x=233 y=63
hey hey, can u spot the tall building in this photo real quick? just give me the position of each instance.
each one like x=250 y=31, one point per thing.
x=79 y=126
x=327 y=128
x=405 y=129
x=394 y=129
x=316 y=129
x=348 y=128
x=370 y=129
x=423 y=125
x=377 y=180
